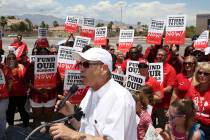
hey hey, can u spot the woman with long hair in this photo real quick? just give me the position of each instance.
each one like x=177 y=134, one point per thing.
x=200 y=94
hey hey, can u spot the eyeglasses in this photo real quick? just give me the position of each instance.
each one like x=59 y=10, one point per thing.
x=87 y=64
x=172 y=117
x=188 y=63
x=204 y=73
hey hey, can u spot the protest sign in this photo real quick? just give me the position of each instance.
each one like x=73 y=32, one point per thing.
x=32 y=58
x=156 y=71
x=74 y=77
x=71 y=24
x=155 y=31
x=2 y=78
x=88 y=28
x=126 y=40
x=151 y=134
x=2 y=59
x=202 y=41
x=175 y=29
x=45 y=71
x=80 y=42
x=134 y=81
x=132 y=67
x=100 y=36
x=65 y=60
x=120 y=78
x=42 y=32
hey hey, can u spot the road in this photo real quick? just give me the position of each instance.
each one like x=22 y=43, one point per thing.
x=30 y=42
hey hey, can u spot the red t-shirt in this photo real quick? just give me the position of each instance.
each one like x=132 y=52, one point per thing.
x=168 y=80
x=19 y=87
x=182 y=84
x=202 y=103
x=153 y=83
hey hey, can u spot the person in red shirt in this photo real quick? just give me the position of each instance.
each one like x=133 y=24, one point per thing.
x=17 y=91
x=167 y=84
x=5 y=74
x=133 y=55
x=149 y=80
x=183 y=80
x=42 y=100
x=19 y=46
x=200 y=94
x=119 y=62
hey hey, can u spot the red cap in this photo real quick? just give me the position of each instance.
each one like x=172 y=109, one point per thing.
x=42 y=43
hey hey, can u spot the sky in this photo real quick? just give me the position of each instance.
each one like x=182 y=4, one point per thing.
x=109 y=10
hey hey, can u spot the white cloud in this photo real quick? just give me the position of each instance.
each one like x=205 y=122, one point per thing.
x=106 y=10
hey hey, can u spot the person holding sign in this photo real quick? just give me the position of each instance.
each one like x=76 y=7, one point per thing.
x=42 y=99
x=167 y=84
x=149 y=80
x=109 y=108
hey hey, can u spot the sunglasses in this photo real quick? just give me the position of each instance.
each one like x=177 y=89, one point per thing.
x=204 y=73
x=172 y=117
x=87 y=64
x=188 y=63
x=11 y=58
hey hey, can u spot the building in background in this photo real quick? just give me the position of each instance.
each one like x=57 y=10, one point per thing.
x=202 y=23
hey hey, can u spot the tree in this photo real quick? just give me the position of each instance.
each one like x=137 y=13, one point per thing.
x=22 y=26
x=100 y=25
x=3 y=22
x=109 y=26
x=55 y=23
x=11 y=17
x=42 y=24
x=139 y=23
x=30 y=25
x=190 y=31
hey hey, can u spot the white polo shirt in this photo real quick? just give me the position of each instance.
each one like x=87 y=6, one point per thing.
x=109 y=111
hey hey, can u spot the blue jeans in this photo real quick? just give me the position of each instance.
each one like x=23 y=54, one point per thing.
x=3 y=122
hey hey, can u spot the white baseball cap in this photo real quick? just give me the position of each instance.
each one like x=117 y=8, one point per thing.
x=95 y=54
x=207 y=50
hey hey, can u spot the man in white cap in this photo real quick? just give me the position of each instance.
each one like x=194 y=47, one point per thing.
x=109 y=108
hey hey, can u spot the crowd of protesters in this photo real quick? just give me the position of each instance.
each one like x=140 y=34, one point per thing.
x=180 y=104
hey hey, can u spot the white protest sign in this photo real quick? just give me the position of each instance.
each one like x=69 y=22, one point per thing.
x=155 y=31
x=101 y=32
x=45 y=64
x=120 y=78
x=72 y=77
x=42 y=32
x=65 y=55
x=88 y=23
x=132 y=67
x=32 y=58
x=151 y=134
x=2 y=78
x=202 y=41
x=3 y=58
x=134 y=81
x=126 y=36
x=80 y=42
x=71 y=20
x=175 y=29
x=156 y=71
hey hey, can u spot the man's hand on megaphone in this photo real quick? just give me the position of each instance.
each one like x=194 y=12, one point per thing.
x=67 y=109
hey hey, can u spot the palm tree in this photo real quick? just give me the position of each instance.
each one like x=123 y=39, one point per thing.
x=3 y=22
